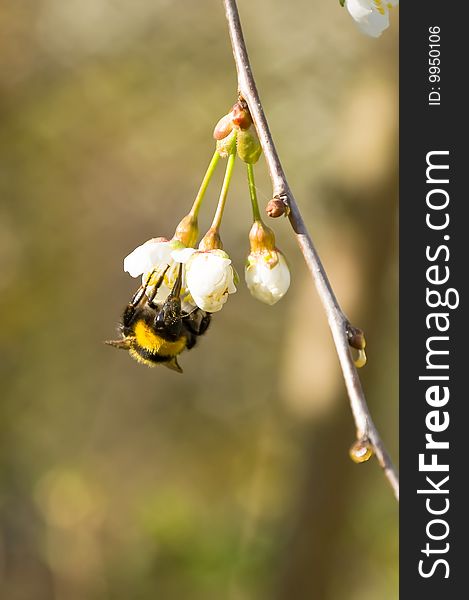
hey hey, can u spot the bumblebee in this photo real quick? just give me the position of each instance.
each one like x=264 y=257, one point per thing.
x=155 y=334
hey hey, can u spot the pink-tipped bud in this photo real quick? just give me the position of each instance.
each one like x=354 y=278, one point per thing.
x=224 y=127
x=240 y=115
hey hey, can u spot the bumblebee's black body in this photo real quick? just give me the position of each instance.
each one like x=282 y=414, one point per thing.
x=156 y=333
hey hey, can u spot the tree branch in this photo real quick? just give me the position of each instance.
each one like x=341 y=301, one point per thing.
x=338 y=322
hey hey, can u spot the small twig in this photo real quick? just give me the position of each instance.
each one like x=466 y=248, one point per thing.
x=338 y=322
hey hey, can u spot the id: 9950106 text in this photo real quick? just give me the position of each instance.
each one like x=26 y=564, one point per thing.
x=434 y=69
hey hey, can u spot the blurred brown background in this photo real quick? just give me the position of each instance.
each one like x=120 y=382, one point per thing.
x=232 y=481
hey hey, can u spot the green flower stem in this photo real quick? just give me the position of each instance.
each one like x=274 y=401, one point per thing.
x=256 y=215
x=224 y=191
x=204 y=185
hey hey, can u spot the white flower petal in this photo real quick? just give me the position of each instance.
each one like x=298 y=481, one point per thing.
x=147 y=256
x=211 y=304
x=375 y=24
x=372 y=16
x=231 y=286
x=182 y=255
x=209 y=279
x=267 y=284
x=359 y=9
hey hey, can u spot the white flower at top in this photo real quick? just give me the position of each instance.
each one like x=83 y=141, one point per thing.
x=154 y=256
x=267 y=283
x=209 y=276
x=372 y=16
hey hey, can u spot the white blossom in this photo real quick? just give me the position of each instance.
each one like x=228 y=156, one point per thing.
x=372 y=16
x=209 y=277
x=154 y=256
x=267 y=283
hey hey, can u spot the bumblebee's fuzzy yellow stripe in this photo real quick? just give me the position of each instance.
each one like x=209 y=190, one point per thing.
x=141 y=360
x=148 y=339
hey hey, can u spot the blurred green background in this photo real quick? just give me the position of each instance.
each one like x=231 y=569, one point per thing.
x=233 y=480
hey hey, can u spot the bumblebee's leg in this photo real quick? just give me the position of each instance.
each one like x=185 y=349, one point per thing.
x=191 y=339
x=204 y=323
x=202 y=327
x=129 y=312
x=176 y=291
x=141 y=290
x=168 y=318
x=122 y=344
x=193 y=331
x=156 y=287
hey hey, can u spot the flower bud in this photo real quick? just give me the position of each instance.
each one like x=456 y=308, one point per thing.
x=225 y=145
x=248 y=145
x=187 y=231
x=261 y=238
x=266 y=273
x=356 y=339
x=361 y=451
x=276 y=208
x=265 y=282
x=241 y=116
x=223 y=127
x=371 y=16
